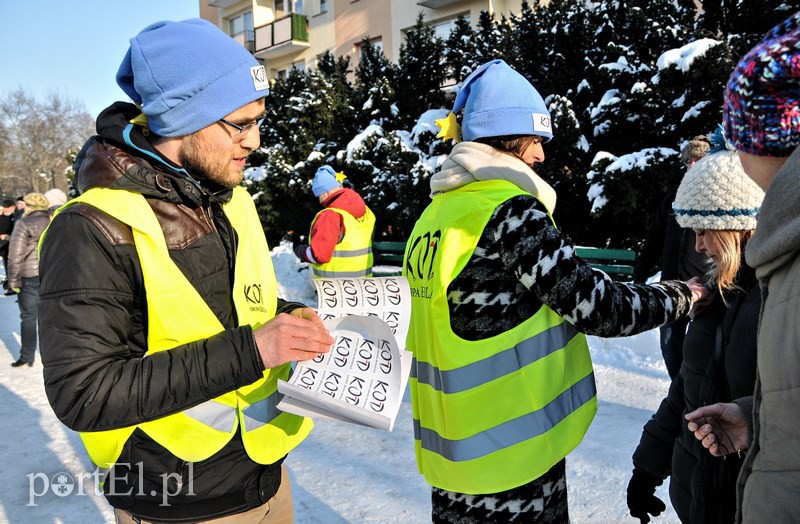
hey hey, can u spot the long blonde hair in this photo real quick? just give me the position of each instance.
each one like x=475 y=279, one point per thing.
x=730 y=246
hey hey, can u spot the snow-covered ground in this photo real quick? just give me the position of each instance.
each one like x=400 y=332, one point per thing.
x=342 y=472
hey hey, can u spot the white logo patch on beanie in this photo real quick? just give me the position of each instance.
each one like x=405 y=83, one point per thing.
x=259 y=75
x=541 y=123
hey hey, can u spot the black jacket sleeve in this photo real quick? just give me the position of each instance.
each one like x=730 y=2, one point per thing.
x=92 y=317
x=650 y=255
x=654 y=453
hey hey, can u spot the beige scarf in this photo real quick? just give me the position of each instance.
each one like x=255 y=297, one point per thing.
x=472 y=161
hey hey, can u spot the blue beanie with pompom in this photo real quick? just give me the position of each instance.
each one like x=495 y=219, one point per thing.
x=498 y=101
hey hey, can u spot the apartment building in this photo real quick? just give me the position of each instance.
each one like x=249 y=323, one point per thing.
x=287 y=34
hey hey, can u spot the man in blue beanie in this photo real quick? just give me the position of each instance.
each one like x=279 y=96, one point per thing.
x=162 y=335
x=340 y=242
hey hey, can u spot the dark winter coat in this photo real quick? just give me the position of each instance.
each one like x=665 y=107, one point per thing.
x=23 y=256
x=670 y=247
x=702 y=487
x=93 y=329
x=6 y=226
x=770 y=481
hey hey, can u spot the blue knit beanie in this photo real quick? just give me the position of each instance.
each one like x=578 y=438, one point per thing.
x=324 y=181
x=187 y=75
x=498 y=101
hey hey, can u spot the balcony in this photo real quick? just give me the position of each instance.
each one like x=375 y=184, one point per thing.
x=282 y=37
x=223 y=4
x=436 y=4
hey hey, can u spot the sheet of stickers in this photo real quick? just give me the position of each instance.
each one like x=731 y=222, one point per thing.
x=363 y=378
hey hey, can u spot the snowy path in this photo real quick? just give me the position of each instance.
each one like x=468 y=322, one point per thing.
x=342 y=473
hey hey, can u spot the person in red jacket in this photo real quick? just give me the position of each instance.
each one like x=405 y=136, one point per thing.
x=340 y=242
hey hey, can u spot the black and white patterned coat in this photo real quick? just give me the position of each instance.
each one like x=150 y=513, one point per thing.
x=522 y=262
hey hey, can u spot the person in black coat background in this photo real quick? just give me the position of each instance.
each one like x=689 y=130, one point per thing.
x=6 y=226
x=719 y=202
x=671 y=247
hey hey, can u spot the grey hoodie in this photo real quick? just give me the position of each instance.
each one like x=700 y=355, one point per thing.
x=769 y=482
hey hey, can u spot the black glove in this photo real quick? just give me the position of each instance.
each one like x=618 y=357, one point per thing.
x=300 y=251
x=642 y=501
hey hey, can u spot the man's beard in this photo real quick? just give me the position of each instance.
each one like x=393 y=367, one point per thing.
x=204 y=163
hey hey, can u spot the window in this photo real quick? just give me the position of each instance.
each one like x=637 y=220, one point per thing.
x=323 y=6
x=242 y=23
x=300 y=66
x=281 y=74
x=285 y=7
x=443 y=29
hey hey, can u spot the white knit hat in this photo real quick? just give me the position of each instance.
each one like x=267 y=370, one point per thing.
x=717 y=194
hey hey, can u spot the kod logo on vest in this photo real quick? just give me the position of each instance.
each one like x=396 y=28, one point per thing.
x=420 y=262
x=253 y=295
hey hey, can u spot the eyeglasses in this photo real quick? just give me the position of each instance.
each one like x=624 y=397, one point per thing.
x=243 y=130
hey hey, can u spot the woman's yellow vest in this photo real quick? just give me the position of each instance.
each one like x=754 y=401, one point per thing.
x=177 y=315
x=352 y=257
x=493 y=414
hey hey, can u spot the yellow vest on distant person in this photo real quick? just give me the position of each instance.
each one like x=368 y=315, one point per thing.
x=494 y=414
x=177 y=315
x=352 y=256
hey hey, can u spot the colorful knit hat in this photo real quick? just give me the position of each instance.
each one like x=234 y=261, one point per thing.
x=716 y=193
x=187 y=75
x=762 y=98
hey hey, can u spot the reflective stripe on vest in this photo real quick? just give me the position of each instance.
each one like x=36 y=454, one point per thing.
x=493 y=414
x=352 y=256
x=199 y=432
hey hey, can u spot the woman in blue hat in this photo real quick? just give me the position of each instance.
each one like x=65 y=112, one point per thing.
x=502 y=385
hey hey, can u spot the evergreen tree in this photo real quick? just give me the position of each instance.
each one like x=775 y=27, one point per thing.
x=626 y=83
x=493 y=39
x=742 y=23
x=420 y=73
x=459 y=50
x=386 y=172
x=333 y=79
x=380 y=107
x=566 y=162
x=374 y=95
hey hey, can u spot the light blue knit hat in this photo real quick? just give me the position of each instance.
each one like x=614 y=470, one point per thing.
x=187 y=75
x=498 y=101
x=324 y=180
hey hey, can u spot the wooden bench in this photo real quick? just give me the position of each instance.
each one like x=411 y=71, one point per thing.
x=618 y=263
x=387 y=258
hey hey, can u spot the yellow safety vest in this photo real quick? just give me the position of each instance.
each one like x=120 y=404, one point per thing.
x=493 y=414
x=177 y=315
x=352 y=257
